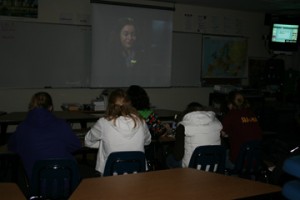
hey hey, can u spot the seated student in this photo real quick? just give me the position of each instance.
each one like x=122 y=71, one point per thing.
x=42 y=135
x=195 y=128
x=121 y=129
x=239 y=124
x=141 y=101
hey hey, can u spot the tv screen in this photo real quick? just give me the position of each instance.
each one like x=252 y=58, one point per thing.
x=284 y=37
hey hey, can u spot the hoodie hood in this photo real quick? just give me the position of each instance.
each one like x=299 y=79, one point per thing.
x=125 y=126
x=200 y=128
x=40 y=117
x=197 y=118
x=201 y=122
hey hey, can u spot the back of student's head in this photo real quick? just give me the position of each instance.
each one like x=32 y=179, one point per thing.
x=194 y=106
x=139 y=97
x=237 y=100
x=41 y=100
x=191 y=107
x=119 y=104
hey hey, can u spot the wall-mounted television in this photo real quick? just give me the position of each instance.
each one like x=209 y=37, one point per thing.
x=284 y=37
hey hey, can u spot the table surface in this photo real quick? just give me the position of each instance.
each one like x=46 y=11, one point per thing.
x=11 y=191
x=185 y=183
x=17 y=117
x=74 y=116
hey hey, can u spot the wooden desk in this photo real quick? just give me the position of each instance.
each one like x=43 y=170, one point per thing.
x=170 y=184
x=11 y=191
x=15 y=118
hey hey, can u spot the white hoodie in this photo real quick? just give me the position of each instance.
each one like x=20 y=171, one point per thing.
x=122 y=136
x=201 y=128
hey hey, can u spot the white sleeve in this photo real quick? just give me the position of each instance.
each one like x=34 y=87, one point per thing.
x=147 y=134
x=93 y=137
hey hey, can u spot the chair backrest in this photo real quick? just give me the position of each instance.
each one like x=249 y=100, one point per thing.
x=54 y=178
x=291 y=188
x=9 y=167
x=125 y=162
x=249 y=163
x=291 y=166
x=209 y=158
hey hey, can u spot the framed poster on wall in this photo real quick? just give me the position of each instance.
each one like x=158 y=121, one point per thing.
x=224 y=57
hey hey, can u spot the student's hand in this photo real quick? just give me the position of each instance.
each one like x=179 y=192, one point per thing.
x=168 y=128
x=166 y=137
x=223 y=134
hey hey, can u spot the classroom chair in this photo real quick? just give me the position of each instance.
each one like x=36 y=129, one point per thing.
x=209 y=158
x=249 y=163
x=291 y=189
x=125 y=162
x=54 y=179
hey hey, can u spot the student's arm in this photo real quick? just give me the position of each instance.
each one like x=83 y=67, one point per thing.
x=147 y=134
x=12 y=143
x=155 y=125
x=179 y=143
x=226 y=123
x=72 y=142
x=93 y=136
x=15 y=139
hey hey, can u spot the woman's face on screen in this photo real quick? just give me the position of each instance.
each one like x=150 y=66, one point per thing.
x=127 y=36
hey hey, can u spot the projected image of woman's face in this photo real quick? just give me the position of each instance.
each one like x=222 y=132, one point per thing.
x=130 y=45
x=128 y=36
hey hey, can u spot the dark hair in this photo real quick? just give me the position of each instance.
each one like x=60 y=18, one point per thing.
x=41 y=100
x=191 y=107
x=120 y=105
x=139 y=97
x=123 y=22
x=194 y=106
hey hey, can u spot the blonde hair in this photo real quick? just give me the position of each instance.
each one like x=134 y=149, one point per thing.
x=237 y=100
x=41 y=100
x=119 y=104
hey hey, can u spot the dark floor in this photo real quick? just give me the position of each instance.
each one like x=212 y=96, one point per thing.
x=273 y=196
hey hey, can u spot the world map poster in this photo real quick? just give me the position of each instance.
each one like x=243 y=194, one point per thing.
x=224 y=57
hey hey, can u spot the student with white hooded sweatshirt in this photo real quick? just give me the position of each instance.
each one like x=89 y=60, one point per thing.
x=196 y=128
x=121 y=129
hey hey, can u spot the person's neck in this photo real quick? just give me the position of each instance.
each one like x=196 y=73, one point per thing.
x=127 y=51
